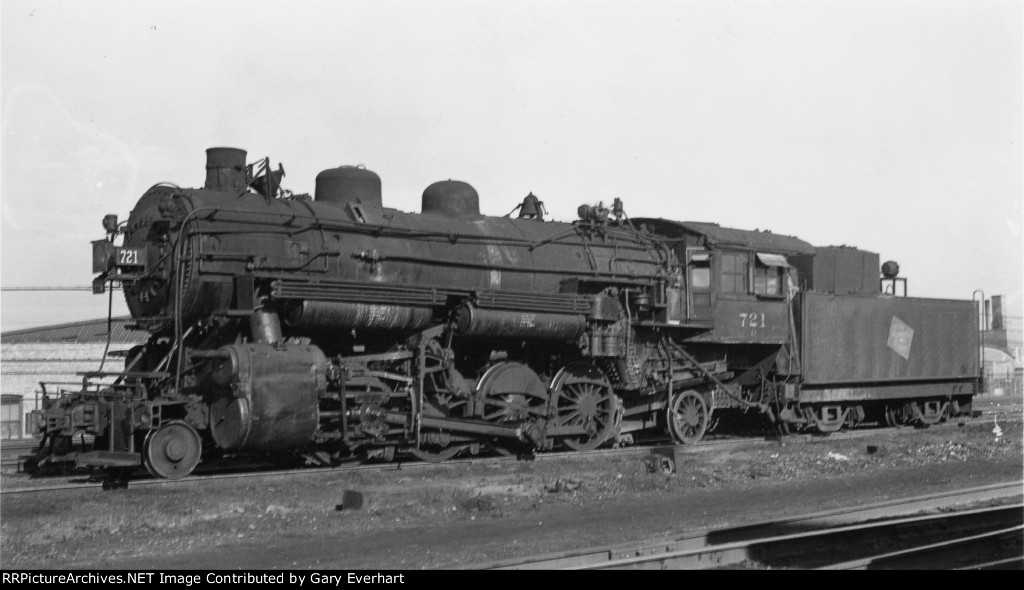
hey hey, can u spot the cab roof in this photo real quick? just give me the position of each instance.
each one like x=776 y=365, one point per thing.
x=716 y=236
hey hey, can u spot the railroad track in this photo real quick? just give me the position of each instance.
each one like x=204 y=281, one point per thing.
x=920 y=543
x=639 y=451
x=664 y=449
x=888 y=535
x=997 y=549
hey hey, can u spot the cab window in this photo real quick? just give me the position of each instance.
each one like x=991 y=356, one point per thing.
x=734 y=272
x=767 y=280
x=700 y=274
x=699 y=269
x=769 y=274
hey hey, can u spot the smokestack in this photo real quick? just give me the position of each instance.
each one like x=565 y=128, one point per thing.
x=225 y=168
x=988 y=314
x=997 y=313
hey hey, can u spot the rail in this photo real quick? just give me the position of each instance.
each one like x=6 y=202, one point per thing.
x=811 y=540
x=656 y=450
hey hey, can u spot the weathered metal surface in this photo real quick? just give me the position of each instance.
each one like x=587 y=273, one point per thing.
x=748 y=321
x=863 y=339
x=839 y=269
x=500 y=323
x=566 y=304
x=268 y=397
x=895 y=390
x=451 y=198
x=353 y=292
x=230 y=234
x=225 y=168
x=718 y=236
x=321 y=317
x=348 y=184
x=265 y=327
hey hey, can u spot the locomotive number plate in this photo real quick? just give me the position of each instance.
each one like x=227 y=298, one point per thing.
x=130 y=257
x=752 y=320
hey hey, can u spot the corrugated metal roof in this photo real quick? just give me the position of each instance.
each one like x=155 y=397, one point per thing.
x=717 y=235
x=87 y=331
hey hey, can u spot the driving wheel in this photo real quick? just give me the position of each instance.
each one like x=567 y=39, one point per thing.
x=583 y=397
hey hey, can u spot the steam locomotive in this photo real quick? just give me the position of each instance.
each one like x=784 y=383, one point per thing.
x=334 y=328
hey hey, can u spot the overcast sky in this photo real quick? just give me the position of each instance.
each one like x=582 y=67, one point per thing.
x=894 y=126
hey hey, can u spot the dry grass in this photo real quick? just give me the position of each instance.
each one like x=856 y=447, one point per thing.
x=93 y=528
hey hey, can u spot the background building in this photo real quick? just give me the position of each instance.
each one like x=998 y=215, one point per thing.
x=55 y=355
x=1003 y=340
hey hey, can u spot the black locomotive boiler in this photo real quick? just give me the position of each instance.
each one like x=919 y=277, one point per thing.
x=336 y=328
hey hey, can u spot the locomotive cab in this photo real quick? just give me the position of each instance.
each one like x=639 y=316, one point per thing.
x=738 y=282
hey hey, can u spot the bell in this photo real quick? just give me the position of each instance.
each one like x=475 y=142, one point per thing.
x=532 y=208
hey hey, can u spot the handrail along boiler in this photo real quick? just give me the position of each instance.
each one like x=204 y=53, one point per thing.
x=334 y=327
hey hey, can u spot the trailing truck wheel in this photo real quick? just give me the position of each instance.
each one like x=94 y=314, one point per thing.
x=583 y=397
x=172 y=451
x=687 y=417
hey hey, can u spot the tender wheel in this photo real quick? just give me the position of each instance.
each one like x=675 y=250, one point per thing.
x=172 y=451
x=583 y=397
x=687 y=417
x=896 y=416
x=928 y=412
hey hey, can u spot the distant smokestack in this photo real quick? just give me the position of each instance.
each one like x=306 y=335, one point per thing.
x=997 y=313
x=988 y=314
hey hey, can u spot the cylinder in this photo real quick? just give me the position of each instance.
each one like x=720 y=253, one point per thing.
x=452 y=198
x=331 y=316
x=348 y=184
x=500 y=323
x=225 y=168
x=273 y=402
